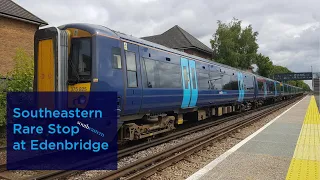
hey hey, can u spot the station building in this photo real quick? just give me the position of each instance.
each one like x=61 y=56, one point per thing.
x=179 y=39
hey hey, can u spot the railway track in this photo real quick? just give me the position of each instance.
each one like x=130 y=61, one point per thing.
x=147 y=166
x=130 y=150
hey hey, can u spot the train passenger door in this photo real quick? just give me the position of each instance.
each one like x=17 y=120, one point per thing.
x=189 y=83
x=265 y=87
x=133 y=92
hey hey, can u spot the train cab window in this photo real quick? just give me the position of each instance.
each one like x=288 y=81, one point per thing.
x=131 y=69
x=80 y=64
x=116 y=58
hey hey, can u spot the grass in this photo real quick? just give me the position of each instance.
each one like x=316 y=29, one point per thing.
x=3 y=142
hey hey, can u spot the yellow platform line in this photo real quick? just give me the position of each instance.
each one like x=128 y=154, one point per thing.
x=305 y=163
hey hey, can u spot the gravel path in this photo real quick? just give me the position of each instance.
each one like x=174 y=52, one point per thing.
x=173 y=172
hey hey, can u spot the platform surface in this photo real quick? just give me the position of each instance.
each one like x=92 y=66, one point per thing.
x=288 y=147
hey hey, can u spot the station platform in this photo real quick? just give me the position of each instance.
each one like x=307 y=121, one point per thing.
x=288 y=147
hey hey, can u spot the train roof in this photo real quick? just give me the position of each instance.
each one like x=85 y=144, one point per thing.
x=99 y=29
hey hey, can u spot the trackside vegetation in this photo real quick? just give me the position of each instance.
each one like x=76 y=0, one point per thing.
x=20 y=79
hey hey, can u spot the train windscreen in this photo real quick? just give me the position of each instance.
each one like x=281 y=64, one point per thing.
x=80 y=62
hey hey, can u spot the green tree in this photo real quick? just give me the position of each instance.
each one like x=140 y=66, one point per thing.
x=237 y=47
x=265 y=65
x=233 y=45
x=280 y=69
x=21 y=80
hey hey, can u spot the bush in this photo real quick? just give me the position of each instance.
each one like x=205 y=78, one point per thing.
x=2 y=109
x=21 y=80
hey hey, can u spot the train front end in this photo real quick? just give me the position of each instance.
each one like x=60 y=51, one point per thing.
x=63 y=60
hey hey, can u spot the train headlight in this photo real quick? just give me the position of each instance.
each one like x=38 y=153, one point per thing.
x=82 y=99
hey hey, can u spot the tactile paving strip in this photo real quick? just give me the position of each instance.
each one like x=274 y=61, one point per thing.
x=305 y=163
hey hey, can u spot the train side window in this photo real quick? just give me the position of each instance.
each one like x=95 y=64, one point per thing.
x=131 y=69
x=116 y=58
x=186 y=77
x=278 y=87
x=193 y=75
x=234 y=82
x=248 y=83
x=203 y=80
x=169 y=78
x=216 y=80
x=131 y=61
x=227 y=82
x=161 y=75
x=260 y=86
x=226 y=79
x=271 y=87
x=150 y=67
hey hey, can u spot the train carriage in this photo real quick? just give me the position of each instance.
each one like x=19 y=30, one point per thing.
x=158 y=86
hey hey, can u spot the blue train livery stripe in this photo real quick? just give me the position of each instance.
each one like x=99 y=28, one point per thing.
x=241 y=87
x=194 y=85
x=265 y=88
x=185 y=86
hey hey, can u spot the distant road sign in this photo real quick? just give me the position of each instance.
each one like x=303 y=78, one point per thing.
x=293 y=76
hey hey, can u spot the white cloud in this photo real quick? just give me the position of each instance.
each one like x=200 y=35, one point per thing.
x=288 y=31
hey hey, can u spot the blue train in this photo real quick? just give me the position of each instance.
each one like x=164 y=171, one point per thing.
x=158 y=88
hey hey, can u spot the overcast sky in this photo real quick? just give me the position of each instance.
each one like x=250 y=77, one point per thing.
x=288 y=29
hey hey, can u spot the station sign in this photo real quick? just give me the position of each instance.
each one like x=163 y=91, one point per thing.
x=293 y=76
